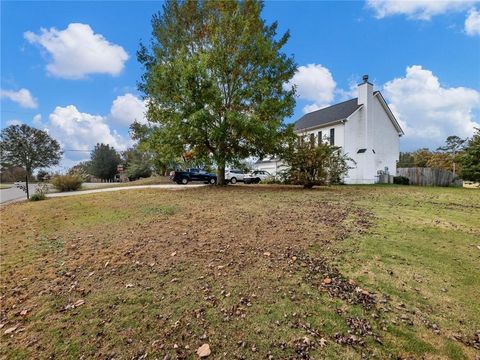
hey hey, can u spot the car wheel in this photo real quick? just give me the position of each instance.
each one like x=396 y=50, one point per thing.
x=257 y=180
x=184 y=181
x=212 y=181
x=233 y=181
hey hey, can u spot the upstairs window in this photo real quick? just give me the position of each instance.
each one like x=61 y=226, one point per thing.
x=320 y=138
x=332 y=136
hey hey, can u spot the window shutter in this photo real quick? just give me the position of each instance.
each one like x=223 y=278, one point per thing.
x=332 y=136
x=320 y=138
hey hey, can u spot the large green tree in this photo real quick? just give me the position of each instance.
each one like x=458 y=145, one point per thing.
x=30 y=148
x=215 y=78
x=104 y=161
x=138 y=163
x=470 y=159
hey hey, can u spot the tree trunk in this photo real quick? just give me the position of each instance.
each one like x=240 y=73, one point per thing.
x=221 y=175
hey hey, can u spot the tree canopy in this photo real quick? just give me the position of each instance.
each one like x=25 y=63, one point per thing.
x=30 y=148
x=104 y=161
x=470 y=159
x=215 y=78
x=138 y=163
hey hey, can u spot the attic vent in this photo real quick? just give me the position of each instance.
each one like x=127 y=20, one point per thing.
x=361 y=151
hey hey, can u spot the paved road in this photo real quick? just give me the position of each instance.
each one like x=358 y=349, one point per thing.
x=15 y=194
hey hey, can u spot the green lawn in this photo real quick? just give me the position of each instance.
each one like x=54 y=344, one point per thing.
x=254 y=271
x=5 y=186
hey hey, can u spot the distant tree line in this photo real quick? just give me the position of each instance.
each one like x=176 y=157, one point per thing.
x=460 y=156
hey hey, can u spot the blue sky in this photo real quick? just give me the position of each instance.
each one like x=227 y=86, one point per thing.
x=424 y=56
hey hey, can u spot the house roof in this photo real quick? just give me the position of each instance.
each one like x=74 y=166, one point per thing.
x=329 y=114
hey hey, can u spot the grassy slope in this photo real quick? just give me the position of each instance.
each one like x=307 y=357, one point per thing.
x=238 y=277
x=423 y=251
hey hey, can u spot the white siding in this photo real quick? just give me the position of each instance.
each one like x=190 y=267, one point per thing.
x=386 y=140
x=339 y=133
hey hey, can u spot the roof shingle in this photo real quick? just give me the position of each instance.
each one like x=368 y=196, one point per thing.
x=329 y=114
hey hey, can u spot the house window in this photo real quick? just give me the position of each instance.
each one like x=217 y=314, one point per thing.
x=320 y=137
x=312 y=139
x=332 y=136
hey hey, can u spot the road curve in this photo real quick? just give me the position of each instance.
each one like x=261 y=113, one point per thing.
x=120 y=188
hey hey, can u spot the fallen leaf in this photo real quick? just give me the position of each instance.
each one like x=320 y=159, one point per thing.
x=327 y=281
x=322 y=342
x=79 y=303
x=10 y=330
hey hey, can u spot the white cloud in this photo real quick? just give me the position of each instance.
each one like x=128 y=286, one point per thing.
x=314 y=83
x=14 y=122
x=128 y=108
x=429 y=112
x=22 y=97
x=37 y=120
x=417 y=9
x=472 y=23
x=82 y=131
x=77 y=51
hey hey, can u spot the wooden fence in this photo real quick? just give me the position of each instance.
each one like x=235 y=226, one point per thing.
x=429 y=176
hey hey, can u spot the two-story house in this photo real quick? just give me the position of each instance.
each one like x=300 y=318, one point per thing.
x=364 y=127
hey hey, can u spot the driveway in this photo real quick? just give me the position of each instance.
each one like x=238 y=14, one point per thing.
x=15 y=194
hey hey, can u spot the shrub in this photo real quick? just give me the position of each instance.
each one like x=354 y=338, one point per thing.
x=67 y=182
x=41 y=190
x=401 y=180
x=37 y=197
x=272 y=180
x=311 y=165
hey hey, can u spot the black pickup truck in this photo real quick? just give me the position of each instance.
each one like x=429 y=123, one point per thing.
x=184 y=177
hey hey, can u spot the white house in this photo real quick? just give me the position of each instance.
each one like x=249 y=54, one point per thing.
x=364 y=127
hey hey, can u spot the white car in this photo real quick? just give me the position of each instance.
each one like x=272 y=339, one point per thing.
x=233 y=175
x=254 y=177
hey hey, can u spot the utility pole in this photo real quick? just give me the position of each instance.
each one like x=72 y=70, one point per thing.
x=26 y=186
